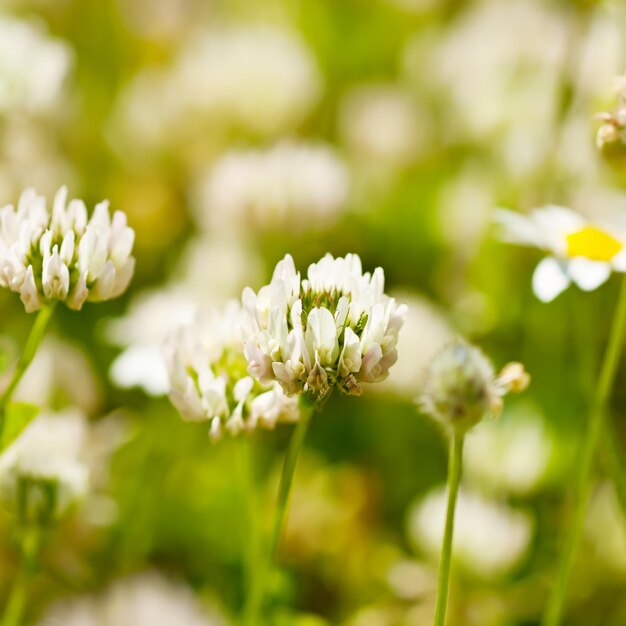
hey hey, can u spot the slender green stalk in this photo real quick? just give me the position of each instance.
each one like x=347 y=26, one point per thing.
x=30 y=349
x=455 y=462
x=556 y=604
x=29 y=552
x=254 y=565
x=254 y=606
x=286 y=478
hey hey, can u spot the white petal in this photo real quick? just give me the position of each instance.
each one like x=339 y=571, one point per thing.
x=549 y=279
x=587 y=274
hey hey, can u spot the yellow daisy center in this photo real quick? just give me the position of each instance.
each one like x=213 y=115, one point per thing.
x=593 y=243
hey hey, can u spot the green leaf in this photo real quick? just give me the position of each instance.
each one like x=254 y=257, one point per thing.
x=16 y=418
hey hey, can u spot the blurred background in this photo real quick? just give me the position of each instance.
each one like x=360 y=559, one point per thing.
x=233 y=132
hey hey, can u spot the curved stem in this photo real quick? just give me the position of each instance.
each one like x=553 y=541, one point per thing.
x=455 y=462
x=29 y=552
x=556 y=604
x=30 y=349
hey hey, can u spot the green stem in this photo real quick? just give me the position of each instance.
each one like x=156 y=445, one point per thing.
x=29 y=552
x=286 y=481
x=455 y=462
x=556 y=603
x=286 y=478
x=30 y=349
x=254 y=566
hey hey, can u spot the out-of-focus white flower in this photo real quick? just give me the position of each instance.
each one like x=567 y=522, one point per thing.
x=334 y=329
x=32 y=66
x=30 y=157
x=142 y=331
x=208 y=378
x=60 y=255
x=292 y=184
x=424 y=333
x=260 y=76
x=60 y=371
x=257 y=78
x=490 y=539
x=579 y=251
x=605 y=527
x=143 y=600
x=461 y=386
x=153 y=315
x=517 y=445
x=42 y=468
x=493 y=82
x=380 y=122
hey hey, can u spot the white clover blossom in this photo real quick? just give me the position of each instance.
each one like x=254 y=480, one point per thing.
x=490 y=539
x=209 y=381
x=144 y=599
x=579 y=251
x=60 y=254
x=45 y=467
x=334 y=329
x=32 y=66
x=290 y=184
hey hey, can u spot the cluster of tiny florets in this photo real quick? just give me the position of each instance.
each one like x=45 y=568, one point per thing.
x=336 y=329
x=209 y=381
x=62 y=255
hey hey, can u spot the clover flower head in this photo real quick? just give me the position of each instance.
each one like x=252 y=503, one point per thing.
x=61 y=254
x=209 y=381
x=461 y=386
x=578 y=251
x=334 y=329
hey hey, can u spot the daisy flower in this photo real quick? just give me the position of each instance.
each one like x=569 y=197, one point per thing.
x=579 y=251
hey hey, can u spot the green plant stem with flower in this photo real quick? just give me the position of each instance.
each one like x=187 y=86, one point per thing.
x=30 y=349
x=455 y=462
x=256 y=595
x=556 y=604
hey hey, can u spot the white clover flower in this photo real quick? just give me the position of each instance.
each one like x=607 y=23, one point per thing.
x=260 y=77
x=144 y=599
x=209 y=382
x=256 y=78
x=60 y=255
x=32 y=66
x=490 y=539
x=291 y=184
x=579 y=251
x=518 y=445
x=380 y=122
x=334 y=329
x=46 y=459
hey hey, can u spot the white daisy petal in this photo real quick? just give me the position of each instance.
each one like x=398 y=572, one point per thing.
x=619 y=261
x=587 y=274
x=549 y=279
x=517 y=228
